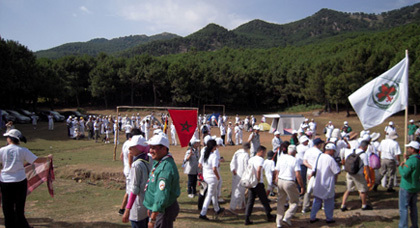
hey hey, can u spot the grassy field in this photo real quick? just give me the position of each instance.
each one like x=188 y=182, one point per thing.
x=89 y=185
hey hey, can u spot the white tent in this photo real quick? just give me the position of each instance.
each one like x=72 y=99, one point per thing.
x=284 y=123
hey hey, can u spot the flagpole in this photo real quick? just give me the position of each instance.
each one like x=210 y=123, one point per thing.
x=406 y=109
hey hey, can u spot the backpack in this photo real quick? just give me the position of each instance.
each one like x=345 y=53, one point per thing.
x=249 y=177
x=374 y=161
x=352 y=164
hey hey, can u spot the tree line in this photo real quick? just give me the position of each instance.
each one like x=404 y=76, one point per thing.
x=243 y=79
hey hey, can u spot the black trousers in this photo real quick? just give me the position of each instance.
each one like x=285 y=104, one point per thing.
x=259 y=191
x=13 y=199
x=192 y=184
x=166 y=220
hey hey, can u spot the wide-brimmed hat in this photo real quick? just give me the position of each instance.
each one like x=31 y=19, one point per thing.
x=392 y=135
x=14 y=133
x=375 y=136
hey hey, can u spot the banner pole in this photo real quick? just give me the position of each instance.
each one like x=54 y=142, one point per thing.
x=406 y=110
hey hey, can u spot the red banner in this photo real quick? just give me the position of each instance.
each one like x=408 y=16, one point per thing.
x=185 y=122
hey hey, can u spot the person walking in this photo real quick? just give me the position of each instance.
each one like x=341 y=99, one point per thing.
x=287 y=172
x=254 y=140
x=50 y=122
x=237 y=167
x=327 y=171
x=257 y=163
x=13 y=182
x=162 y=188
x=211 y=177
x=191 y=166
x=410 y=186
x=412 y=128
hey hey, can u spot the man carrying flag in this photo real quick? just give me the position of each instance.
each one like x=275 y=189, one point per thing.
x=383 y=96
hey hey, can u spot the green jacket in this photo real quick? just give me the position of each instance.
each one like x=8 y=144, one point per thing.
x=410 y=176
x=163 y=186
x=412 y=129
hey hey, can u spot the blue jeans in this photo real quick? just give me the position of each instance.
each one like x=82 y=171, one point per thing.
x=328 y=208
x=140 y=224
x=408 y=200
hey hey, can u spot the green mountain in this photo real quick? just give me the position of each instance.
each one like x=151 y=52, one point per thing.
x=96 y=46
x=325 y=23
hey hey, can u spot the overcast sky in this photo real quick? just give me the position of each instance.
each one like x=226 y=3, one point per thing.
x=43 y=24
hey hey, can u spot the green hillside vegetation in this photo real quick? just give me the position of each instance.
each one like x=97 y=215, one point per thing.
x=96 y=46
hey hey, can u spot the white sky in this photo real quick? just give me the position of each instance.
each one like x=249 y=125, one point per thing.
x=43 y=24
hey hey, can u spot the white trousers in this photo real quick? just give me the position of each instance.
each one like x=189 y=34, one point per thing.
x=211 y=196
x=50 y=125
x=237 y=199
x=173 y=138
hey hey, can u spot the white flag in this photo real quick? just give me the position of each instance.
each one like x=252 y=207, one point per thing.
x=383 y=96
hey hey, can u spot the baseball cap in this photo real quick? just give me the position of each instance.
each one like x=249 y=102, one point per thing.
x=413 y=144
x=291 y=148
x=256 y=127
x=14 y=133
x=157 y=131
x=276 y=133
x=137 y=140
x=411 y=121
x=159 y=140
x=318 y=141
x=345 y=122
x=391 y=123
x=330 y=146
x=303 y=139
x=194 y=140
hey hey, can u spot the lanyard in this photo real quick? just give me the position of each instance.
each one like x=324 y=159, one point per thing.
x=152 y=173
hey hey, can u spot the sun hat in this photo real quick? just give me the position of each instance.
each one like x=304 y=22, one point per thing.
x=291 y=148
x=219 y=142
x=330 y=146
x=391 y=123
x=303 y=139
x=159 y=140
x=413 y=144
x=375 y=136
x=276 y=133
x=14 y=133
x=392 y=135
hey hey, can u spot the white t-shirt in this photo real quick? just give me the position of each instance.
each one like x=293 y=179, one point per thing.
x=327 y=168
x=363 y=157
x=125 y=152
x=311 y=155
x=257 y=162
x=212 y=162
x=389 y=149
x=287 y=167
x=268 y=167
x=301 y=149
x=13 y=157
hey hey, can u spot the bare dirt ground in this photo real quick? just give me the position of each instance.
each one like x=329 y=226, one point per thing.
x=90 y=186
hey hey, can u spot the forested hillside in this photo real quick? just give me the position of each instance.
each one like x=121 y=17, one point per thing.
x=326 y=73
x=254 y=34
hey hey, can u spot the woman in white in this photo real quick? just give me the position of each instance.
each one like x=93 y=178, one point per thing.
x=191 y=166
x=82 y=127
x=13 y=180
x=211 y=177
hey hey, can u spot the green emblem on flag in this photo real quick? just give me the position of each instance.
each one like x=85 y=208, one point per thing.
x=385 y=95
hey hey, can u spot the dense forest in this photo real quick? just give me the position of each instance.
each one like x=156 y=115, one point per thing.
x=244 y=79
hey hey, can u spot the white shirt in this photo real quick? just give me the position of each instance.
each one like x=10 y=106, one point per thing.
x=239 y=161
x=257 y=162
x=389 y=129
x=301 y=149
x=363 y=157
x=268 y=167
x=327 y=168
x=276 y=142
x=389 y=149
x=222 y=130
x=312 y=126
x=128 y=128
x=311 y=155
x=287 y=167
x=13 y=157
x=237 y=129
x=212 y=162
x=125 y=152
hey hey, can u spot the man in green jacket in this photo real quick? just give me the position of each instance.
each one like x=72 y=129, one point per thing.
x=410 y=185
x=162 y=189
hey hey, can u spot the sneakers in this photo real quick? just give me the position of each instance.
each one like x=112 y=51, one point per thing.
x=344 y=208
x=121 y=211
x=313 y=221
x=288 y=222
x=306 y=210
x=367 y=207
x=203 y=217
x=190 y=196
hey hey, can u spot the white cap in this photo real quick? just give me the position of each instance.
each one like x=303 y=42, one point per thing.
x=136 y=140
x=291 y=148
x=345 y=122
x=207 y=138
x=391 y=123
x=330 y=146
x=14 y=133
x=330 y=121
x=366 y=137
x=194 y=140
x=256 y=127
x=413 y=144
x=392 y=135
x=219 y=142
x=303 y=139
x=157 y=131
x=276 y=133
x=294 y=132
x=159 y=140
x=306 y=119
x=411 y=121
